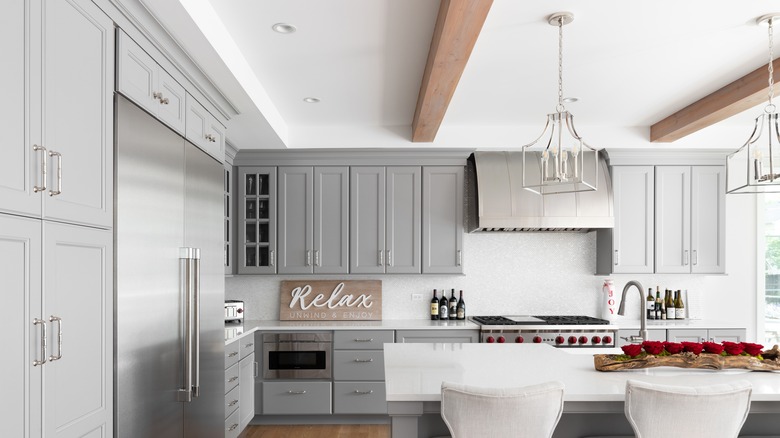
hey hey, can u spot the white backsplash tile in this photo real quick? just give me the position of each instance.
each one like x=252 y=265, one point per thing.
x=505 y=273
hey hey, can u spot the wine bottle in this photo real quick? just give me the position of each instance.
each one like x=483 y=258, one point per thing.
x=670 y=311
x=679 y=307
x=663 y=305
x=461 y=307
x=453 y=310
x=658 y=304
x=443 y=306
x=650 y=304
x=434 y=307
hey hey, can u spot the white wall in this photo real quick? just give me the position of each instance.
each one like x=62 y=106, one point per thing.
x=546 y=273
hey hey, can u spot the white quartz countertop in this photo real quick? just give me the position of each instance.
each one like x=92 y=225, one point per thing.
x=234 y=331
x=414 y=372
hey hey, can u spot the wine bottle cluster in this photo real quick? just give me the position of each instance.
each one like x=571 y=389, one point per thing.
x=668 y=308
x=447 y=309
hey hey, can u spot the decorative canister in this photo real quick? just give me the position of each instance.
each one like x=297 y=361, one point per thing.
x=609 y=307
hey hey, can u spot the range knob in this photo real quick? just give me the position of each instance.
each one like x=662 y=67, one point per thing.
x=572 y=339
x=606 y=340
x=490 y=340
x=583 y=339
x=501 y=340
x=559 y=340
x=595 y=340
x=537 y=339
x=519 y=340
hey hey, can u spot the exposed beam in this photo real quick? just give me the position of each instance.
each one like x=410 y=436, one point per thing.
x=744 y=93
x=457 y=28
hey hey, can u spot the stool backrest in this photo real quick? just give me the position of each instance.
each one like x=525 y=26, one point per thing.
x=706 y=411
x=530 y=411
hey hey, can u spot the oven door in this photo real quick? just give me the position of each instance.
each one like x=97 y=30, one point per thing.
x=293 y=356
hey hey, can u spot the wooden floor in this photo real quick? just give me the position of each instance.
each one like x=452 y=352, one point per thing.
x=318 y=431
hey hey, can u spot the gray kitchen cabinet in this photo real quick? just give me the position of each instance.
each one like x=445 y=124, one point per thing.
x=706 y=335
x=426 y=336
x=57 y=320
x=229 y=197
x=240 y=373
x=203 y=129
x=690 y=219
x=385 y=219
x=633 y=236
x=359 y=371
x=297 y=397
x=359 y=398
x=57 y=121
x=313 y=220
x=442 y=216
x=256 y=197
x=246 y=390
x=142 y=80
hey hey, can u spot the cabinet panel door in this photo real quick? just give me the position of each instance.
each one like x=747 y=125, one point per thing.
x=171 y=104
x=78 y=93
x=20 y=281
x=731 y=335
x=196 y=122
x=331 y=220
x=708 y=220
x=246 y=389
x=633 y=240
x=442 y=245
x=403 y=223
x=136 y=74
x=672 y=219
x=78 y=288
x=20 y=166
x=367 y=220
x=686 y=335
x=295 y=220
x=256 y=196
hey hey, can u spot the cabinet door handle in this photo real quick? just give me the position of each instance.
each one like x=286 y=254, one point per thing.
x=156 y=95
x=364 y=360
x=42 y=150
x=389 y=257
x=317 y=257
x=232 y=427
x=308 y=257
x=42 y=323
x=164 y=101
x=59 y=173
x=359 y=392
x=58 y=320
x=296 y=392
x=695 y=257
x=381 y=258
x=233 y=403
x=257 y=369
x=233 y=354
x=617 y=257
x=233 y=379
x=249 y=345
x=364 y=340
x=272 y=258
x=685 y=257
x=459 y=257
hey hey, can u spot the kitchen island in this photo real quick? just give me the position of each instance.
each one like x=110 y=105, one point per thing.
x=593 y=400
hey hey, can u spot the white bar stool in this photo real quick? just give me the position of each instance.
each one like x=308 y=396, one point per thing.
x=660 y=411
x=530 y=411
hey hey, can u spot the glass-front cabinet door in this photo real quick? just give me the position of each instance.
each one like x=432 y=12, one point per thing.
x=256 y=220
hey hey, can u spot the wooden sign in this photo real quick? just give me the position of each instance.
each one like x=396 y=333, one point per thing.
x=331 y=300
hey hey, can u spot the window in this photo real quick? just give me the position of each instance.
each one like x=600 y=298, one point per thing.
x=771 y=302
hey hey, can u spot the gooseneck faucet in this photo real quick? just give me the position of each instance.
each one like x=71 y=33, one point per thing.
x=643 y=309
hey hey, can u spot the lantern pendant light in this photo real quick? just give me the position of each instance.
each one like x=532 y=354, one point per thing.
x=559 y=160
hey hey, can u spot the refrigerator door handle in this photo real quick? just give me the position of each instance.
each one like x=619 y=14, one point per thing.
x=185 y=260
x=196 y=321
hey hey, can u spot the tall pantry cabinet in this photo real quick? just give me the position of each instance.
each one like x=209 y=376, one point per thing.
x=55 y=218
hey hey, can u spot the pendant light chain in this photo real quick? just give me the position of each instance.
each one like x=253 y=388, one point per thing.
x=560 y=106
x=771 y=67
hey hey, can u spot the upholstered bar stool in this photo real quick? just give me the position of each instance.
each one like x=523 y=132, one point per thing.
x=657 y=411
x=530 y=411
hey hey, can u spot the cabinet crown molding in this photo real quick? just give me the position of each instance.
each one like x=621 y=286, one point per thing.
x=667 y=157
x=352 y=157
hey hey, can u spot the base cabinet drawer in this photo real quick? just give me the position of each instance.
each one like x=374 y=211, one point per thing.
x=231 y=378
x=359 y=398
x=232 y=428
x=232 y=354
x=296 y=397
x=359 y=365
x=232 y=399
x=361 y=339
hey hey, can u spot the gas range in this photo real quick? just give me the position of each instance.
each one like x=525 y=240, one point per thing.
x=562 y=331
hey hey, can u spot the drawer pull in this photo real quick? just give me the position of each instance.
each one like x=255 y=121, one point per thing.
x=296 y=392
x=233 y=427
x=364 y=340
x=233 y=403
x=233 y=379
x=235 y=353
x=358 y=392
x=364 y=360
x=249 y=345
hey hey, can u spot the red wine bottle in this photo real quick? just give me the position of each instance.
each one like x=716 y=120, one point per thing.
x=434 y=307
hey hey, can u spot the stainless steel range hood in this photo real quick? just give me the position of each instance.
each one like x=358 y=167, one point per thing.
x=497 y=201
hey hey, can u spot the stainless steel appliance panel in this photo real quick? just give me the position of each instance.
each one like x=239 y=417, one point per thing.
x=165 y=201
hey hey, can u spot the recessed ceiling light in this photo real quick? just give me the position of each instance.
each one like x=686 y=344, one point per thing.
x=570 y=99
x=311 y=100
x=283 y=28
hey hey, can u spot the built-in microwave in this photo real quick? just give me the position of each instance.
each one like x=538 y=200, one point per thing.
x=304 y=355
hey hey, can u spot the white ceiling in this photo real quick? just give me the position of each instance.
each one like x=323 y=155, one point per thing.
x=630 y=63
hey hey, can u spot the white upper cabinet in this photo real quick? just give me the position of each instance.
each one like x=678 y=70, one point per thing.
x=673 y=219
x=58 y=114
x=633 y=241
x=203 y=130
x=708 y=220
x=143 y=81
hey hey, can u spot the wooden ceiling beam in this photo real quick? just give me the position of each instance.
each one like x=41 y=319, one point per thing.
x=457 y=28
x=740 y=95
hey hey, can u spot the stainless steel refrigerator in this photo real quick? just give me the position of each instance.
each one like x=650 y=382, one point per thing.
x=169 y=333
